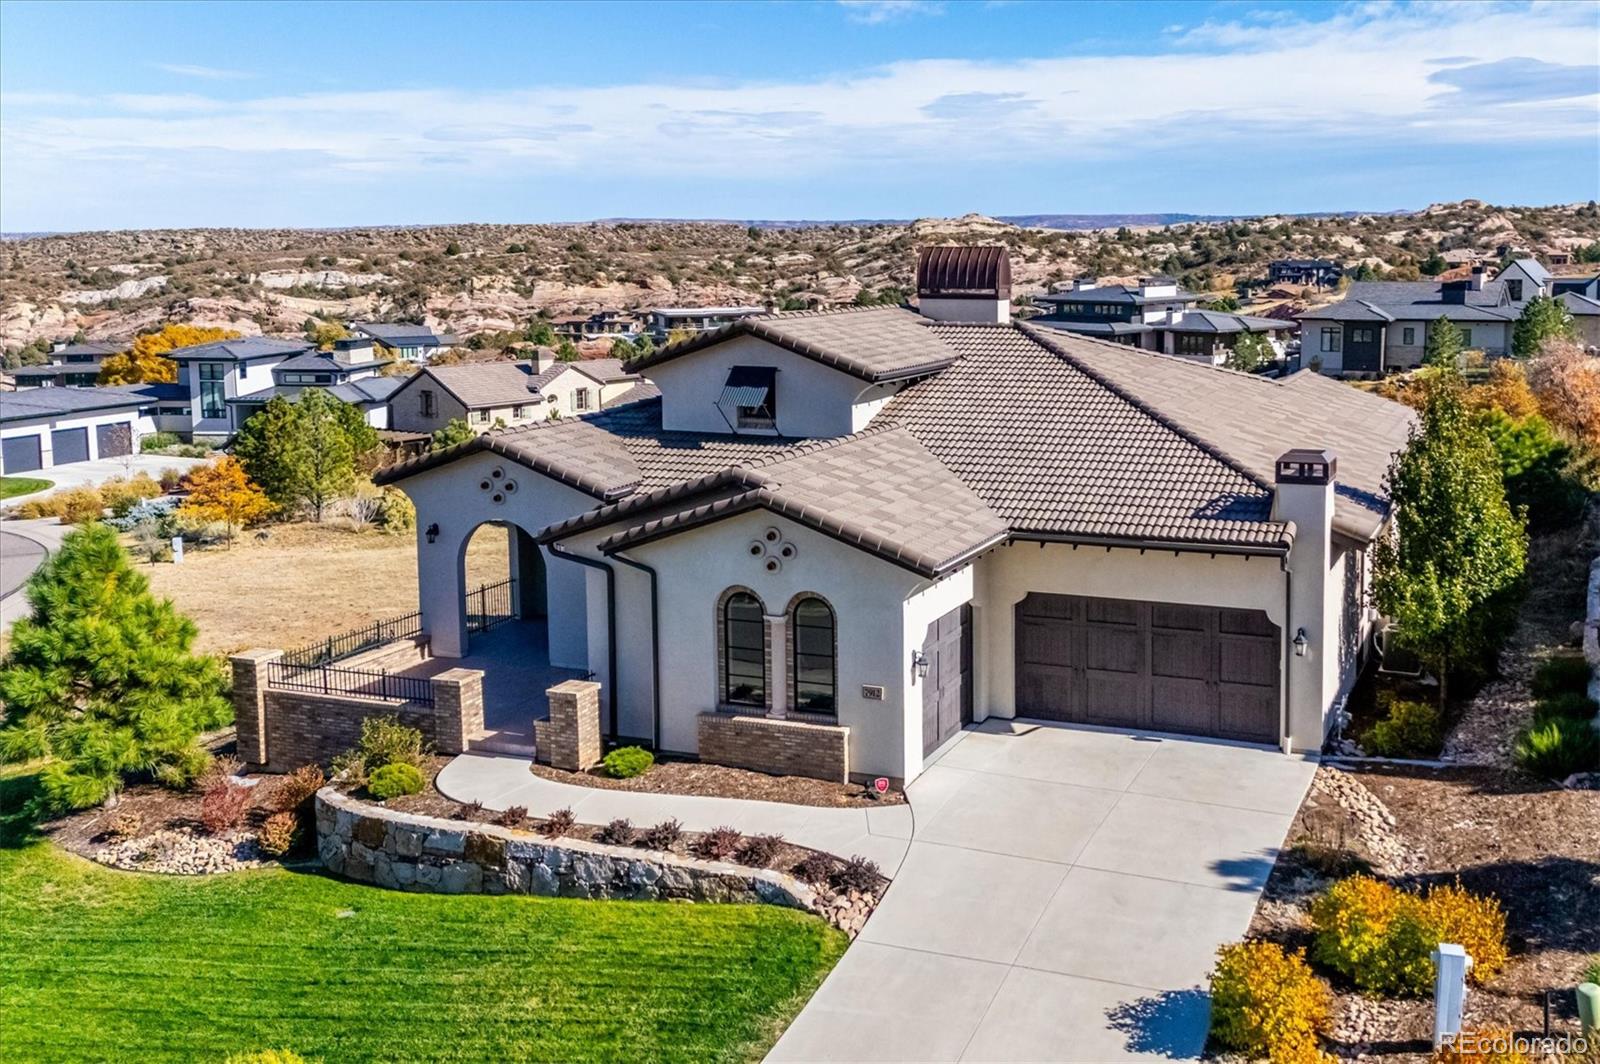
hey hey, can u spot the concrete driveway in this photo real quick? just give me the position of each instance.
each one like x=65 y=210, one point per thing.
x=78 y=474
x=1063 y=898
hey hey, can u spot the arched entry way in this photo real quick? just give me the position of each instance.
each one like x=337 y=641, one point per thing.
x=503 y=579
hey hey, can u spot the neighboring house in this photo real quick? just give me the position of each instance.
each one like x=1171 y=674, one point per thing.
x=404 y=341
x=46 y=427
x=662 y=322
x=1463 y=257
x=602 y=323
x=349 y=372
x=838 y=537
x=1585 y=311
x=1155 y=316
x=1320 y=273
x=70 y=366
x=487 y=394
x=1583 y=286
x=1382 y=326
x=214 y=373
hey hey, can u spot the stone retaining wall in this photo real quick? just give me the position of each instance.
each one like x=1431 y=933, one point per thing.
x=777 y=745
x=404 y=851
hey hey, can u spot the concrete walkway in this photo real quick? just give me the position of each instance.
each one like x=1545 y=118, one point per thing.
x=880 y=834
x=1063 y=898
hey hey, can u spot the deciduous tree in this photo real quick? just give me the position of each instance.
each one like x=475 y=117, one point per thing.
x=101 y=677
x=222 y=491
x=146 y=360
x=1250 y=352
x=1566 y=382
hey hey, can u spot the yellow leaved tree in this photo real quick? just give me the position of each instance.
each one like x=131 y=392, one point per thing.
x=222 y=491
x=146 y=361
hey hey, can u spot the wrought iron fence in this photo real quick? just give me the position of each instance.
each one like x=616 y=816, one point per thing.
x=491 y=604
x=354 y=641
x=358 y=683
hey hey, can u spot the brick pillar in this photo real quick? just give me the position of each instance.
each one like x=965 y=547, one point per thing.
x=249 y=703
x=574 y=725
x=457 y=708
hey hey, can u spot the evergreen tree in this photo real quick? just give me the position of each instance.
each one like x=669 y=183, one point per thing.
x=1448 y=574
x=456 y=431
x=305 y=452
x=1443 y=347
x=101 y=678
x=1250 y=352
x=566 y=352
x=1542 y=319
x=264 y=446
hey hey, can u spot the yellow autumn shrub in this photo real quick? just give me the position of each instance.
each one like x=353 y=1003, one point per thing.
x=1269 y=1004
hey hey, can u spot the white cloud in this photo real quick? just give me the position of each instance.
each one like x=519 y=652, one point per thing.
x=1367 y=76
x=190 y=70
x=876 y=12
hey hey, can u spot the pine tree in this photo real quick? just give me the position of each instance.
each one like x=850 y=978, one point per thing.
x=324 y=455
x=1542 y=319
x=102 y=678
x=455 y=431
x=1443 y=347
x=1457 y=556
x=305 y=452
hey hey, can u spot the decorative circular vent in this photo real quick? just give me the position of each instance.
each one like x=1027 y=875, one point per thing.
x=773 y=565
x=772 y=535
x=510 y=487
x=788 y=550
x=757 y=549
x=773 y=549
x=497 y=473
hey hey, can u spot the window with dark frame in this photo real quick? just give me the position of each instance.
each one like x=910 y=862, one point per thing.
x=815 y=666
x=1330 y=338
x=1192 y=343
x=744 y=651
x=1408 y=336
x=1515 y=290
x=427 y=402
x=213 y=392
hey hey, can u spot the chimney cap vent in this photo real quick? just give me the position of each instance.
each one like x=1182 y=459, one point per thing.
x=1304 y=465
x=946 y=271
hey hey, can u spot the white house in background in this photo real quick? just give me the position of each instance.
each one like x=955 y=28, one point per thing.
x=41 y=428
x=403 y=340
x=486 y=394
x=349 y=372
x=1155 y=315
x=213 y=373
x=869 y=527
x=70 y=366
x=661 y=322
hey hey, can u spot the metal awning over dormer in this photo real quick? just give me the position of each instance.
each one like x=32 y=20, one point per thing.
x=748 y=387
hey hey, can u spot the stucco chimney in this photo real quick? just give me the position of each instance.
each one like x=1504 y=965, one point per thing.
x=543 y=358
x=1478 y=273
x=1304 y=494
x=1081 y=283
x=964 y=283
x=1157 y=286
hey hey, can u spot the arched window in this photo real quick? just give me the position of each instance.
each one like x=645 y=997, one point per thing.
x=744 y=653
x=815 y=679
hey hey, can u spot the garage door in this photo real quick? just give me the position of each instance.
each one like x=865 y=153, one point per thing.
x=113 y=441
x=1198 y=670
x=21 y=454
x=69 y=445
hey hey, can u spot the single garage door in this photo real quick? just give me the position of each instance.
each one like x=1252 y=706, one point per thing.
x=1198 y=670
x=113 y=441
x=21 y=454
x=69 y=445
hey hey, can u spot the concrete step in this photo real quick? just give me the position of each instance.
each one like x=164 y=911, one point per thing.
x=498 y=743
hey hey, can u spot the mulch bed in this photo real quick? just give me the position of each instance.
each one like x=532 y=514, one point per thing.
x=673 y=776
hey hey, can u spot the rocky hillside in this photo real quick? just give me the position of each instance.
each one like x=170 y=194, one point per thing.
x=480 y=278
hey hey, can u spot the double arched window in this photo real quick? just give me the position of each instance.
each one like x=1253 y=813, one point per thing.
x=744 y=651
x=814 y=667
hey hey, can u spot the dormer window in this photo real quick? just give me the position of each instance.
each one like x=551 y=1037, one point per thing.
x=749 y=398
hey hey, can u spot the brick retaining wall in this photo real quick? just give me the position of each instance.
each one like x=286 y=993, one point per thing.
x=776 y=745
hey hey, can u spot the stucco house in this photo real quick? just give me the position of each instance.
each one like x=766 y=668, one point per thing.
x=41 y=428
x=1155 y=315
x=837 y=537
x=404 y=340
x=487 y=394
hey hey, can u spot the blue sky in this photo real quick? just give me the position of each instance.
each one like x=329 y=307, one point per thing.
x=125 y=115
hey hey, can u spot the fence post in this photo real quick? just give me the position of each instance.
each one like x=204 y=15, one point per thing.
x=1449 y=991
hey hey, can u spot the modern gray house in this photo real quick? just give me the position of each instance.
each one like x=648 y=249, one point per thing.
x=403 y=340
x=1157 y=315
x=70 y=366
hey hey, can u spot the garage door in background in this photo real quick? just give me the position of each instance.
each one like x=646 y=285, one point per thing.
x=69 y=445
x=113 y=441
x=21 y=454
x=1197 y=670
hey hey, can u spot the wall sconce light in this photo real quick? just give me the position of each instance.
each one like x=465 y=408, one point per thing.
x=919 y=664
x=1300 y=643
x=432 y=532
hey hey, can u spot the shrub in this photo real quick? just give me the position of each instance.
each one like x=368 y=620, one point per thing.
x=1556 y=747
x=626 y=762
x=1561 y=674
x=718 y=844
x=758 y=851
x=1591 y=974
x=1382 y=938
x=662 y=836
x=1267 y=1003
x=396 y=513
x=470 y=811
x=557 y=824
x=120 y=496
x=216 y=772
x=384 y=741
x=857 y=874
x=620 y=832
x=156 y=441
x=223 y=808
x=279 y=834
x=190 y=767
x=814 y=868
x=171 y=479
x=395 y=780
x=1411 y=729
x=74 y=506
x=127 y=824
x=293 y=793
x=514 y=816
x=1572 y=704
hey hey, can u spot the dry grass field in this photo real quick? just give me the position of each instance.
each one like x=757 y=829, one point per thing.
x=305 y=582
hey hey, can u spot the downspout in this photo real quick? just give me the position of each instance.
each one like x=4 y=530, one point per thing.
x=655 y=647
x=1287 y=642
x=611 y=621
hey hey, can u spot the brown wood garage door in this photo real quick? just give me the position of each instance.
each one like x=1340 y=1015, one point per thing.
x=1198 y=670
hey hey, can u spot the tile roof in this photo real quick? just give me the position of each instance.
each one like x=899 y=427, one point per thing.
x=240 y=350
x=403 y=333
x=603 y=370
x=1414 y=300
x=873 y=343
x=481 y=384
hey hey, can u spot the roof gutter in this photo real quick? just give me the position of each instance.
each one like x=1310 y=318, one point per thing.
x=611 y=623
x=1131 y=543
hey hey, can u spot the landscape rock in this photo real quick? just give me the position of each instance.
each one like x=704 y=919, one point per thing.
x=183 y=852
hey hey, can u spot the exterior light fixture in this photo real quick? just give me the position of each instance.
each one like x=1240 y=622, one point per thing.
x=432 y=532
x=1300 y=643
x=919 y=664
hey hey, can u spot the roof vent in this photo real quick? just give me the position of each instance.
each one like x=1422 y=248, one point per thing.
x=964 y=283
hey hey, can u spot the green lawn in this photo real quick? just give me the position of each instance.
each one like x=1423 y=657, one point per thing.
x=13 y=486
x=103 y=965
